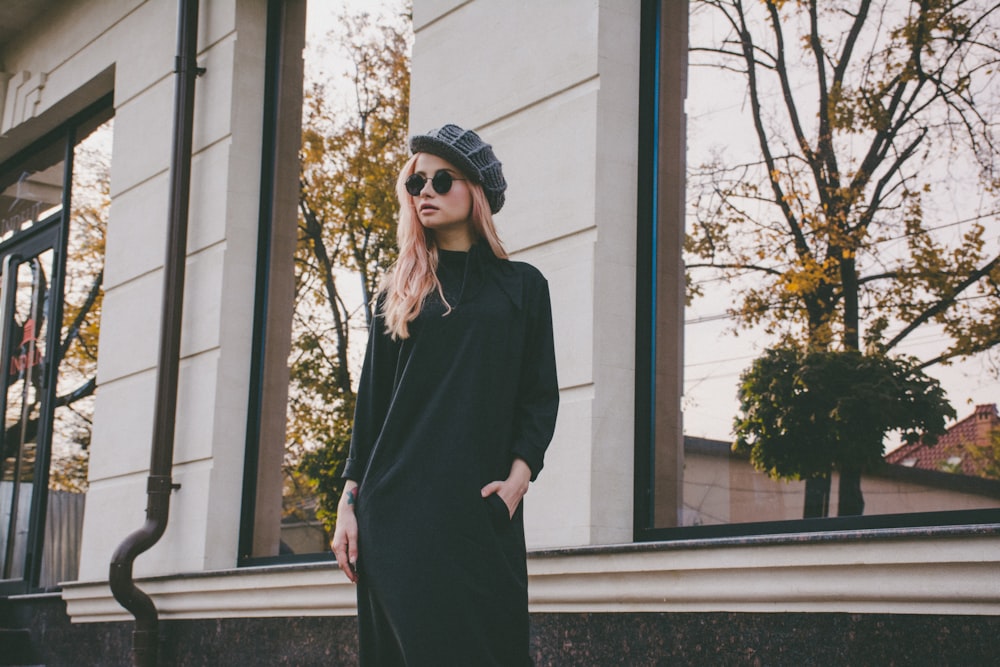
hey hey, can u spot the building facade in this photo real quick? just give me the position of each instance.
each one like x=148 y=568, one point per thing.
x=584 y=100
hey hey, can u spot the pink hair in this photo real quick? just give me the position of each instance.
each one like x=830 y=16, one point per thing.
x=413 y=276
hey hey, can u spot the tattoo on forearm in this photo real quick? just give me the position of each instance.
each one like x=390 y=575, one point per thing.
x=352 y=496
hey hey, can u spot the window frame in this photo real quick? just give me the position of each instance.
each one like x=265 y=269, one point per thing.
x=660 y=314
x=267 y=394
x=59 y=142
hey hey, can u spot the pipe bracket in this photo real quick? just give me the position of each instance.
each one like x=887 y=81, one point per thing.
x=160 y=485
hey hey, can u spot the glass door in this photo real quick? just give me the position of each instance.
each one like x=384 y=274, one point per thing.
x=30 y=276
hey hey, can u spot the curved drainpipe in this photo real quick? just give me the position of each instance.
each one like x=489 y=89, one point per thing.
x=145 y=641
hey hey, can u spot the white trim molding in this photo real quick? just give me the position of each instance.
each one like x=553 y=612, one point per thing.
x=315 y=589
x=900 y=573
x=905 y=575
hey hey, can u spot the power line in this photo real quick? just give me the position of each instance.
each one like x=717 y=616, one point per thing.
x=719 y=361
x=708 y=318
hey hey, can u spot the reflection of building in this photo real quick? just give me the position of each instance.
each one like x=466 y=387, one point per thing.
x=722 y=487
x=32 y=195
x=952 y=450
x=566 y=89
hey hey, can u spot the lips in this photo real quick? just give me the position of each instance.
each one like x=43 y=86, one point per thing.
x=427 y=208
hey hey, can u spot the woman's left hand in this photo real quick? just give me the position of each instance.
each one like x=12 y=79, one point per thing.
x=512 y=489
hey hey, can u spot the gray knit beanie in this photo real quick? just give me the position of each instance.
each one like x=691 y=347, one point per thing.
x=473 y=156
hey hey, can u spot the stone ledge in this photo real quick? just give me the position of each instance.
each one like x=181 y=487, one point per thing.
x=911 y=575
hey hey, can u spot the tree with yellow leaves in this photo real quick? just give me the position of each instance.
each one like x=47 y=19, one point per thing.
x=863 y=217
x=347 y=226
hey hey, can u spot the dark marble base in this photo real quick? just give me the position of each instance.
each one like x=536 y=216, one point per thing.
x=604 y=640
x=765 y=640
x=243 y=642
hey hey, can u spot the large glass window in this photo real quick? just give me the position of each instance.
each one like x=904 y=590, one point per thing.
x=328 y=234
x=840 y=260
x=53 y=209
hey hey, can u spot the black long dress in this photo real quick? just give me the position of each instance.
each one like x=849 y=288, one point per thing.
x=439 y=415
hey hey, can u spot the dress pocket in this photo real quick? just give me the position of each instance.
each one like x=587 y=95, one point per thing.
x=497 y=508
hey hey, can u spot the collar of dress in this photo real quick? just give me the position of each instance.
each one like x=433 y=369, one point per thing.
x=485 y=267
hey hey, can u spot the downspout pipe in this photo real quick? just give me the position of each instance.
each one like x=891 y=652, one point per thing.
x=145 y=641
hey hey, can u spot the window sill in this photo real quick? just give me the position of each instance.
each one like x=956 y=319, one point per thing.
x=910 y=571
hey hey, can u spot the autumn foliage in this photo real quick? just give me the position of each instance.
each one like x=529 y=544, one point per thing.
x=865 y=214
x=351 y=155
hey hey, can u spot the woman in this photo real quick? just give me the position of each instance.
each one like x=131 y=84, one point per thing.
x=456 y=406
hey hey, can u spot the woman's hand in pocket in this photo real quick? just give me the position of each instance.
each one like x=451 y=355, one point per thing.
x=512 y=489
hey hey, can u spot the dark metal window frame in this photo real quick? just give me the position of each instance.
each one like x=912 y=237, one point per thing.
x=645 y=350
x=48 y=234
x=651 y=164
x=270 y=147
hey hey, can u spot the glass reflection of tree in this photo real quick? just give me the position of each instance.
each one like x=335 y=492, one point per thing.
x=807 y=413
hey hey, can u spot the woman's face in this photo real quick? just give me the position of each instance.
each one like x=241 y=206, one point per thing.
x=446 y=213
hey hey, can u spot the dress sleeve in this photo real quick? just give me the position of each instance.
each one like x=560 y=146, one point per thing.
x=538 y=388
x=374 y=394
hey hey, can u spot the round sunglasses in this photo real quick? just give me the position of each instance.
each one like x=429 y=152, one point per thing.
x=441 y=182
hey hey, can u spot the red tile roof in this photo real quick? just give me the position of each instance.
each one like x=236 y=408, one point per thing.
x=946 y=454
